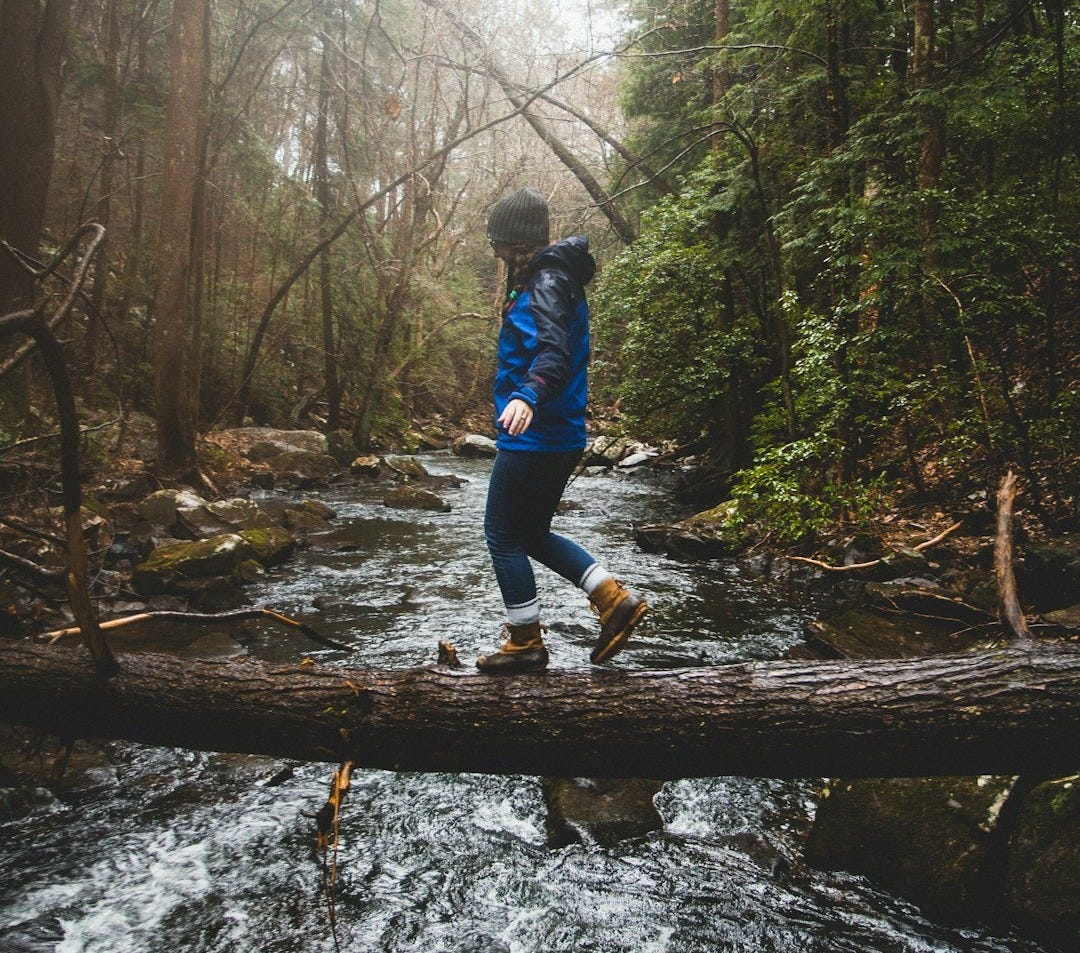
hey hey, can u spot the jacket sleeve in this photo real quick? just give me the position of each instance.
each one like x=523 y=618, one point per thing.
x=552 y=303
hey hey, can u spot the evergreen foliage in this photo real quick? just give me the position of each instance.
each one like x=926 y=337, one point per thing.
x=870 y=275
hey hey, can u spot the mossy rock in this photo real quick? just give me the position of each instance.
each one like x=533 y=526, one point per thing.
x=408 y=467
x=415 y=498
x=163 y=507
x=192 y=567
x=270 y=544
x=931 y=840
x=1042 y=867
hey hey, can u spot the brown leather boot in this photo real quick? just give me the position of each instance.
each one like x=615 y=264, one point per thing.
x=523 y=651
x=620 y=610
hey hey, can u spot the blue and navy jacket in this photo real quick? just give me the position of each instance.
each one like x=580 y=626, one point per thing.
x=544 y=349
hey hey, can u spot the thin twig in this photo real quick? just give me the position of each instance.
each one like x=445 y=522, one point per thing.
x=870 y=565
x=200 y=618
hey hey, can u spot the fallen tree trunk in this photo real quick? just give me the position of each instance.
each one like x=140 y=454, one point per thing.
x=1006 y=711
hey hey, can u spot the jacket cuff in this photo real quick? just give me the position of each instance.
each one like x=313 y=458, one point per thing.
x=526 y=394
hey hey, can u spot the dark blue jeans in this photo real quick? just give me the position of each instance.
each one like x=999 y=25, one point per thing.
x=524 y=491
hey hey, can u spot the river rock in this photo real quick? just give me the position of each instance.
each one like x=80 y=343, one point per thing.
x=163 y=507
x=415 y=498
x=600 y=810
x=241 y=514
x=931 y=840
x=1042 y=867
x=270 y=544
x=1048 y=574
x=607 y=451
x=706 y=535
x=40 y=935
x=1068 y=618
x=368 y=465
x=862 y=632
x=927 y=599
x=302 y=467
x=271 y=440
x=408 y=467
x=474 y=445
x=193 y=567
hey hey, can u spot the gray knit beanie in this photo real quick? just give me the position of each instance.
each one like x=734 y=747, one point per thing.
x=520 y=219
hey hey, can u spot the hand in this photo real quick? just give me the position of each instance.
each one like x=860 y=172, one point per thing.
x=517 y=416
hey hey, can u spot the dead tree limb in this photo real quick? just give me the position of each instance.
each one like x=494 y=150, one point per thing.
x=33 y=324
x=1008 y=711
x=521 y=102
x=203 y=618
x=874 y=562
x=1011 y=613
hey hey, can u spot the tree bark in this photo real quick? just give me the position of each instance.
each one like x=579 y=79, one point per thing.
x=1005 y=711
x=174 y=362
x=33 y=36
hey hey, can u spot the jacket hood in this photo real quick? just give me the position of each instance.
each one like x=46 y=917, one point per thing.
x=571 y=254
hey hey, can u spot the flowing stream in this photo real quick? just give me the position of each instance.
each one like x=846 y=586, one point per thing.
x=157 y=849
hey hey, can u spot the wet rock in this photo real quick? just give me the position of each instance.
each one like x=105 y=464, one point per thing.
x=1068 y=619
x=368 y=465
x=40 y=935
x=706 y=535
x=761 y=850
x=241 y=514
x=927 y=599
x=278 y=507
x=262 y=481
x=408 y=467
x=1042 y=868
x=607 y=451
x=269 y=544
x=600 y=810
x=302 y=467
x=867 y=633
x=474 y=445
x=682 y=542
x=192 y=567
x=931 y=840
x=163 y=507
x=271 y=440
x=415 y=498
x=636 y=459
x=1048 y=574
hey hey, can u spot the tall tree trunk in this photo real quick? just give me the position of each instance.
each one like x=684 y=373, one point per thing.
x=111 y=144
x=931 y=158
x=173 y=306
x=721 y=82
x=33 y=36
x=322 y=182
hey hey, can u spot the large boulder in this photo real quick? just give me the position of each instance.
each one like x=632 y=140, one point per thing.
x=931 y=840
x=600 y=810
x=1042 y=865
x=270 y=440
x=410 y=497
x=1048 y=574
x=474 y=445
x=163 y=507
x=706 y=535
x=194 y=567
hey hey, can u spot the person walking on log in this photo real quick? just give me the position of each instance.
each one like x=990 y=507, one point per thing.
x=540 y=392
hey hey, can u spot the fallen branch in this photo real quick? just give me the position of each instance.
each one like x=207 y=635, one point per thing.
x=200 y=618
x=874 y=562
x=1011 y=613
x=1011 y=710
